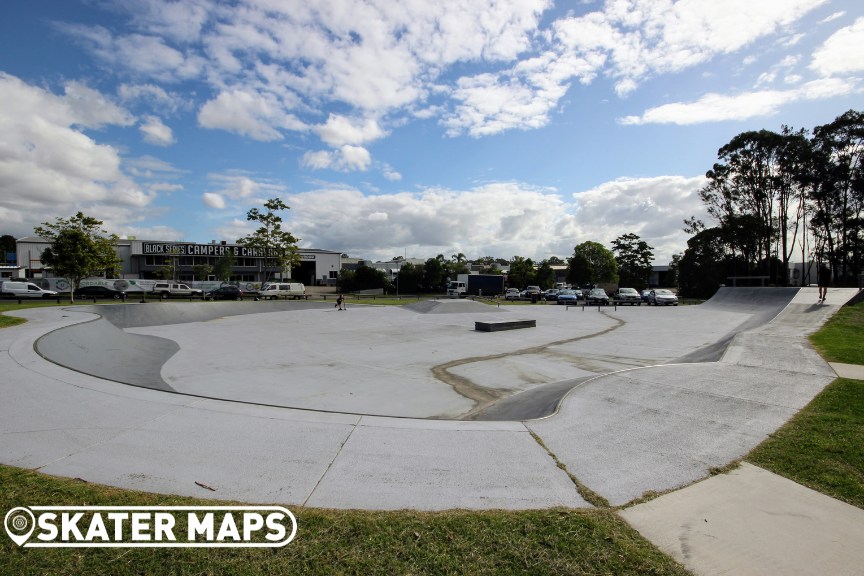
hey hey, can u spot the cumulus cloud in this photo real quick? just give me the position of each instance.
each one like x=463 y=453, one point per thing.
x=155 y=132
x=154 y=96
x=251 y=114
x=340 y=130
x=236 y=185
x=720 y=107
x=345 y=159
x=48 y=166
x=842 y=53
x=213 y=200
x=501 y=219
x=270 y=63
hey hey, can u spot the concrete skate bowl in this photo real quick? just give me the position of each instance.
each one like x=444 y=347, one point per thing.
x=372 y=371
x=763 y=305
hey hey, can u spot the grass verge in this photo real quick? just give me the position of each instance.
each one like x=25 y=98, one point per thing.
x=823 y=445
x=350 y=542
x=840 y=340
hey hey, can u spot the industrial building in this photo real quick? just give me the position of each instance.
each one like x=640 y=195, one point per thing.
x=143 y=259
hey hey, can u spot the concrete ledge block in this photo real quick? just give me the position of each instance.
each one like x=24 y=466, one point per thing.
x=505 y=325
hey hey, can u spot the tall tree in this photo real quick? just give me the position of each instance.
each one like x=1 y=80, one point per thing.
x=224 y=267
x=592 y=263
x=79 y=248
x=434 y=275
x=635 y=259
x=838 y=201
x=277 y=247
x=521 y=272
x=544 y=276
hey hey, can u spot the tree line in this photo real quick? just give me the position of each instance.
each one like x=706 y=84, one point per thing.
x=779 y=198
x=628 y=262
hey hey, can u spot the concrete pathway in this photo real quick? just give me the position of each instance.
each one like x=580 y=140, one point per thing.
x=634 y=422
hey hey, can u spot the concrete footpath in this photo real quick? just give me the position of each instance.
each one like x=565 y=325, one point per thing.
x=306 y=406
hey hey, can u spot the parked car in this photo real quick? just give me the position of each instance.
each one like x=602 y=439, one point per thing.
x=585 y=289
x=646 y=295
x=551 y=294
x=512 y=294
x=174 y=290
x=568 y=297
x=627 y=296
x=662 y=297
x=225 y=293
x=597 y=296
x=13 y=289
x=98 y=292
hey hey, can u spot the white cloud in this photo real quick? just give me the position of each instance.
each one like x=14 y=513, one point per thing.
x=502 y=219
x=155 y=132
x=345 y=159
x=719 y=107
x=240 y=186
x=156 y=96
x=91 y=109
x=248 y=113
x=47 y=166
x=842 y=53
x=340 y=130
x=652 y=208
x=214 y=200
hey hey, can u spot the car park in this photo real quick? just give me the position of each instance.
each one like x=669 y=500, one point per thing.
x=627 y=296
x=568 y=297
x=597 y=296
x=227 y=292
x=662 y=297
x=98 y=292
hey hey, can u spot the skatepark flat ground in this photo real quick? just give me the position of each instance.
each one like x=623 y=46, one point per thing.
x=376 y=407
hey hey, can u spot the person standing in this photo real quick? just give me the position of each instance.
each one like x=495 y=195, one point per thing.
x=340 y=302
x=823 y=279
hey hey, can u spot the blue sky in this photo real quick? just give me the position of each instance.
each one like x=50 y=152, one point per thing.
x=403 y=128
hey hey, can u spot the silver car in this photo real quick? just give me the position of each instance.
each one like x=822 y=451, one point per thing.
x=662 y=297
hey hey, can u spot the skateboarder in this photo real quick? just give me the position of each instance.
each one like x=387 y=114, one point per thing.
x=823 y=278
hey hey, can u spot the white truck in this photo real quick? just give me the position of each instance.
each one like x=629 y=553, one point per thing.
x=476 y=285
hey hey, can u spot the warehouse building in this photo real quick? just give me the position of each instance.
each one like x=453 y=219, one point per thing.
x=145 y=259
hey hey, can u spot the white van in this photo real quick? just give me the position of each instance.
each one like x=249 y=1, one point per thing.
x=24 y=290
x=275 y=290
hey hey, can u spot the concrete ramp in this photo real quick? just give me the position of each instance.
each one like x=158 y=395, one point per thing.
x=166 y=313
x=763 y=305
x=451 y=307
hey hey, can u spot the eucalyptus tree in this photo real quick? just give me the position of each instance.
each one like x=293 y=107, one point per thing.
x=79 y=248
x=521 y=272
x=277 y=248
x=591 y=263
x=837 y=216
x=635 y=259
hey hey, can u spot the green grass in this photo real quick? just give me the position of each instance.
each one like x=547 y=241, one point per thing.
x=842 y=338
x=823 y=445
x=350 y=542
